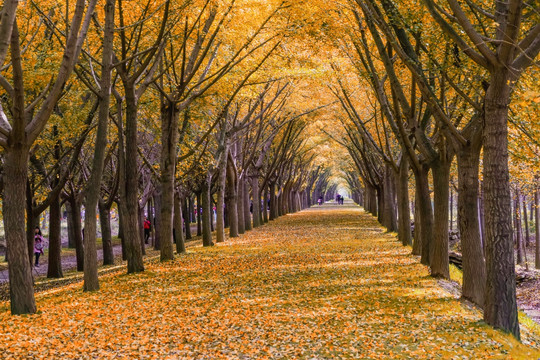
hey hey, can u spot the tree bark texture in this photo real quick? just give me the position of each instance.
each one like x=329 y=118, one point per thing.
x=537 y=226
x=178 y=227
x=232 y=198
x=247 y=204
x=93 y=188
x=106 y=233
x=518 y=232
x=206 y=211
x=500 y=310
x=425 y=214
x=199 y=213
x=157 y=219
x=404 y=213
x=389 y=218
x=187 y=217
x=474 y=267
x=256 y=198
x=169 y=142
x=129 y=204
x=21 y=287
x=221 y=188
x=439 y=250
x=54 y=269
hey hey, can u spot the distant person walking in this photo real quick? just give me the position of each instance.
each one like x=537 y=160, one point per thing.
x=39 y=244
x=319 y=200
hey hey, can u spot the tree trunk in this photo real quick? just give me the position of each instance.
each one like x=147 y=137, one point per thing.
x=451 y=209
x=482 y=218
x=157 y=219
x=70 y=226
x=220 y=203
x=207 y=211
x=417 y=244
x=32 y=221
x=232 y=199
x=54 y=269
x=371 y=200
x=279 y=203
x=273 y=201
x=140 y=226
x=169 y=143
x=517 y=228
x=474 y=267
x=121 y=234
x=404 y=214
x=75 y=209
x=199 y=213
x=425 y=214
x=129 y=186
x=537 y=225
x=178 y=232
x=247 y=205
x=265 y=204
x=152 y=218
x=187 y=217
x=256 y=198
x=92 y=190
x=500 y=310
x=106 y=234
x=439 y=251
x=526 y=220
x=240 y=205
x=21 y=287
x=389 y=218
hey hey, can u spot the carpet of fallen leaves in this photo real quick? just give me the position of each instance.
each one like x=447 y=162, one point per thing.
x=323 y=283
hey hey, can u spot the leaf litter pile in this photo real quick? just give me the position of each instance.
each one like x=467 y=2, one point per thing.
x=323 y=283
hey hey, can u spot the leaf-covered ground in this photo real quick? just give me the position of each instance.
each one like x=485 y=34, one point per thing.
x=323 y=283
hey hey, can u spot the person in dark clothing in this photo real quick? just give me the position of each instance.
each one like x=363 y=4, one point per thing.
x=39 y=244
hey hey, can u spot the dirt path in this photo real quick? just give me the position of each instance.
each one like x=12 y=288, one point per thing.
x=321 y=284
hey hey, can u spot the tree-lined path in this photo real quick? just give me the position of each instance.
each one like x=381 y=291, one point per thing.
x=327 y=282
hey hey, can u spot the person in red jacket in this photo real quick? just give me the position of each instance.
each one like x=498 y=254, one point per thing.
x=147 y=228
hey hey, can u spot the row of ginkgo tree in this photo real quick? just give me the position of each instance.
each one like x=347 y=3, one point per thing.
x=440 y=88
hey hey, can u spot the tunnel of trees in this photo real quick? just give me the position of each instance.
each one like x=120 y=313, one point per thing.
x=229 y=114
